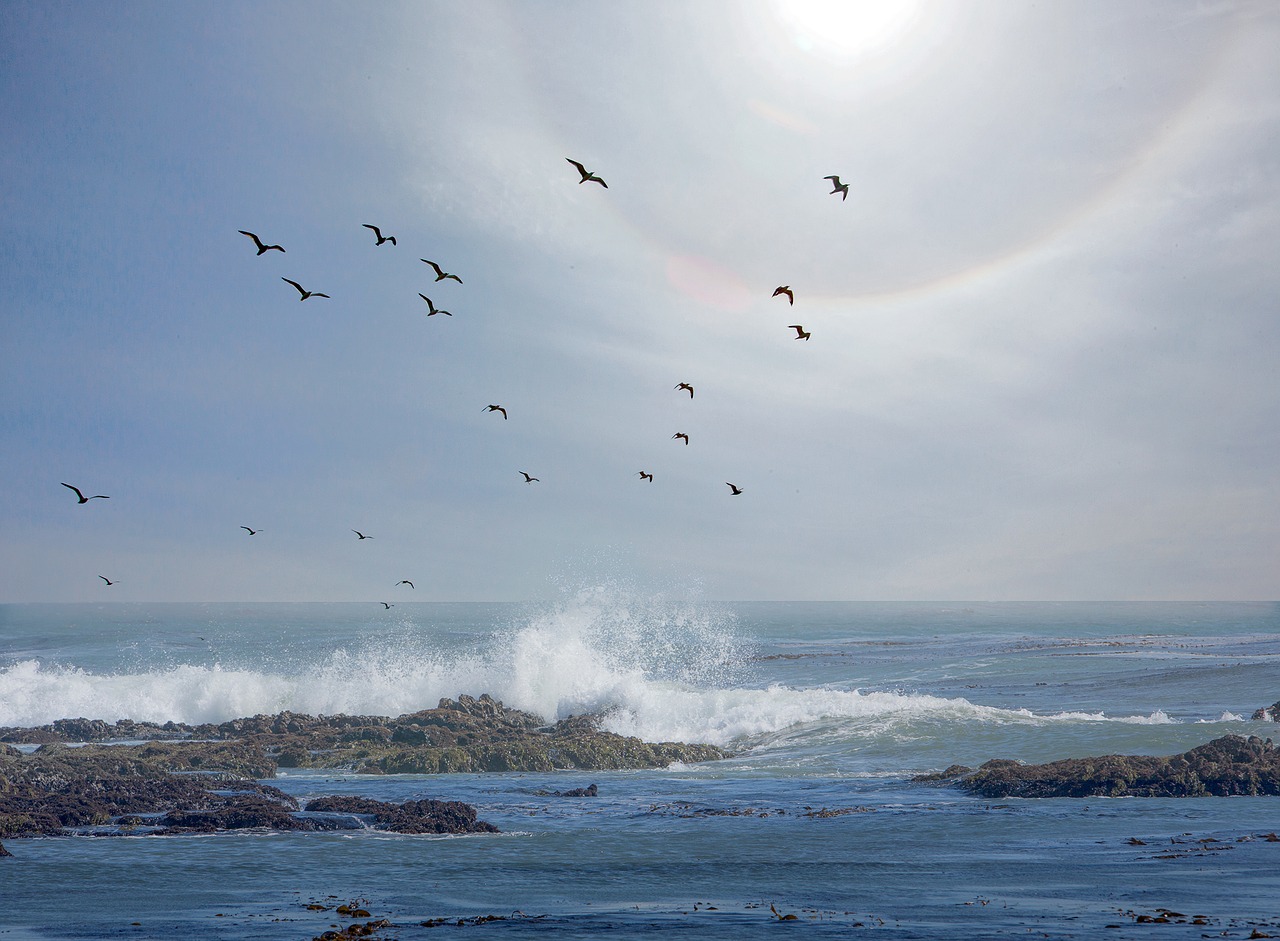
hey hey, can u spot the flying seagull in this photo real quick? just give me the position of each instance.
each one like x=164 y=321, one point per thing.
x=734 y=488
x=786 y=289
x=528 y=479
x=107 y=580
x=801 y=332
x=838 y=187
x=305 y=293
x=83 y=498
x=360 y=534
x=432 y=308
x=378 y=232
x=385 y=606
x=496 y=408
x=257 y=241
x=404 y=581
x=251 y=532
x=645 y=475
x=686 y=387
x=587 y=174
x=441 y=274
x=681 y=434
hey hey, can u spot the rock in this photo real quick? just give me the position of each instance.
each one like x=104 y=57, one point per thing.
x=589 y=791
x=1227 y=766
x=1267 y=713
x=469 y=734
x=421 y=816
x=3 y=851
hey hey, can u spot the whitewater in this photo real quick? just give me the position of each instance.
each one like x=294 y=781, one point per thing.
x=819 y=705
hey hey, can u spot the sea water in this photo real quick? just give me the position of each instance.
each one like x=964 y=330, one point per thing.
x=828 y=711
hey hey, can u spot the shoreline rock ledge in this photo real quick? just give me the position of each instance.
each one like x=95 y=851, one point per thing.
x=1229 y=766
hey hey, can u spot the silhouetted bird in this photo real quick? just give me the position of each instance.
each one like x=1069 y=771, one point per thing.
x=251 y=532
x=107 y=580
x=441 y=274
x=404 y=581
x=587 y=174
x=735 y=490
x=381 y=238
x=838 y=187
x=786 y=289
x=644 y=475
x=82 y=498
x=257 y=241
x=681 y=434
x=385 y=605
x=495 y=408
x=360 y=534
x=305 y=293
x=432 y=309
x=688 y=388
x=801 y=332
x=528 y=479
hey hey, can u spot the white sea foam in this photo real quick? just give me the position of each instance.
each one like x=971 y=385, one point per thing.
x=659 y=671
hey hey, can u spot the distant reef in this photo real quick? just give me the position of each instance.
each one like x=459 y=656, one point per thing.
x=182 y=779
x=1228 y=766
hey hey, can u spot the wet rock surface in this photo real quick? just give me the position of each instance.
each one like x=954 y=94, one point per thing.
x=1267 y=713
x=178 y=778
x=1229 y=766
x=463 y=735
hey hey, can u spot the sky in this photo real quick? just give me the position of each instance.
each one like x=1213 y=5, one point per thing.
x=1044 y=322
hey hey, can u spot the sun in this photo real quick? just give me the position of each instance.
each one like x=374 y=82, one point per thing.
x=846 y=28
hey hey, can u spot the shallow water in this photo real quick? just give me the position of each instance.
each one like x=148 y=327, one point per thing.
x=827 y=707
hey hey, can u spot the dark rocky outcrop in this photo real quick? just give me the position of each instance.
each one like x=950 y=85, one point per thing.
x=202 y=778
x=420 y=816
x=1227 y=766
x=1267 y=713
x=468 y=734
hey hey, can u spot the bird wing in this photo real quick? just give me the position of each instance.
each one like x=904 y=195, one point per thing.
x=375 y=229
x=318 y=294
x=439 y=271
x=77 y=492
x=296 y=285
x=581 y=168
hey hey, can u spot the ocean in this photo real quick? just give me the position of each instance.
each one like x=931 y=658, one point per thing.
x=829 y=710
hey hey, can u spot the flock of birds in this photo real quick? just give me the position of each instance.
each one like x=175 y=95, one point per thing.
x=587 y=176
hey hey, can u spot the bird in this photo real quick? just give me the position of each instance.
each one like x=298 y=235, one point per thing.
x=587 y=174
x=801 y=332
x=838 y=187
x=786 y=289
x=645 y=475
x=82 y=497
x=378 y=232
x=681 y=434
x=251 y=532
x=257 y=241
x=360 y=534
x=404 y=581
x=305 y=293
x=686 y=387
x=385 y=606
x=734 y=488
x=433 y=309
x=496 y=408
x=441 y=274
x=528 y=479
x=107 y=580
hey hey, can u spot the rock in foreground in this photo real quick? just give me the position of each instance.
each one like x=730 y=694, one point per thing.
x=1228 y=766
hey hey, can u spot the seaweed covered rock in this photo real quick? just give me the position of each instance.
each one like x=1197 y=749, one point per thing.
x=469 y=734
x=1267 y=713
x=420 y=816
x=1228 y=766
